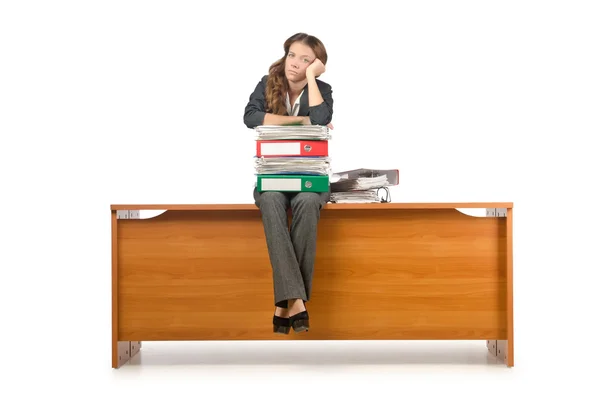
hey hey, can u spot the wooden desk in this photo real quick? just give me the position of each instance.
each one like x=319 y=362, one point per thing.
x=418 y=271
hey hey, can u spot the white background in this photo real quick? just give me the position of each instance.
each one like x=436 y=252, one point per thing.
x=141 y=102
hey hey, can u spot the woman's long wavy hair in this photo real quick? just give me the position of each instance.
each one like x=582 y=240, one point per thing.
x=277 y=84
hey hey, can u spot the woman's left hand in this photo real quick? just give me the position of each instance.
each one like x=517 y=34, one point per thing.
x=315 y=69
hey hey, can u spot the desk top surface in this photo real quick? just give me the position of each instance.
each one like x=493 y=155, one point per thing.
x=328 y=206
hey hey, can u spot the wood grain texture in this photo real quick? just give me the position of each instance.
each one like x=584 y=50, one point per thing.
x=510 y=354
x=114 y=292
x=428 y=273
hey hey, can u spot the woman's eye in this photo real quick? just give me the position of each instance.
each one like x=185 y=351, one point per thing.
x=306 y=61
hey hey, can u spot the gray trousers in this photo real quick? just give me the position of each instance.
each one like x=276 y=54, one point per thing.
x=292 y=250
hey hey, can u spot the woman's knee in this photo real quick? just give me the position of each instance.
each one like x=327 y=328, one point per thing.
x=308 y=200
x=272 y=198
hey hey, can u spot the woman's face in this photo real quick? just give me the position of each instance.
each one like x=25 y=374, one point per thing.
x=299 y=57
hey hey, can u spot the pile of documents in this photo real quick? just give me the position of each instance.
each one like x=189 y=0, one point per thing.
x=292 y=165
x=292 y=158
x=362 y=185
x=275 y=132
x=357 y=196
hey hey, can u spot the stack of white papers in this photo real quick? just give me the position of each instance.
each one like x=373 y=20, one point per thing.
x=293 y=165
x=357 y=196
x=361 y=185
x=275 y=132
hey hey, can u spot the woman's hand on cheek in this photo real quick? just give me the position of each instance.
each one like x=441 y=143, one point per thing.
x=315 y=69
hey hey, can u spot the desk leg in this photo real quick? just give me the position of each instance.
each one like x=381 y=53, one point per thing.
x=499 y=349
x=509 y=347
x=124 y=351
x=504 y=349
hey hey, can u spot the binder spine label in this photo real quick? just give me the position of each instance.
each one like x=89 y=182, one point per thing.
x=291 y=184
x=280 y=149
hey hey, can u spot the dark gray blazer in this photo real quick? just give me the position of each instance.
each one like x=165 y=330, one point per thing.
x=322 y=114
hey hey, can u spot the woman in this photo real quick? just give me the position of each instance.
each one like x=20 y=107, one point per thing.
x=291 y=94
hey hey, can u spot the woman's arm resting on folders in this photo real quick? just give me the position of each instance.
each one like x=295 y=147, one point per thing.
x=283 y=120
x=322 y=113
x=320 y=106
x=255 y=113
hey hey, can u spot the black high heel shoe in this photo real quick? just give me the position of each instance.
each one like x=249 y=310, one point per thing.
x=299 y=321
x=281 y=325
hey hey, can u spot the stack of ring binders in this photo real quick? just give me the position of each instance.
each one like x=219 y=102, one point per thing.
x=292 y=158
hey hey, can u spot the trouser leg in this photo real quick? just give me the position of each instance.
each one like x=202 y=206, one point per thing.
x=288 y=282
x=306 y=208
